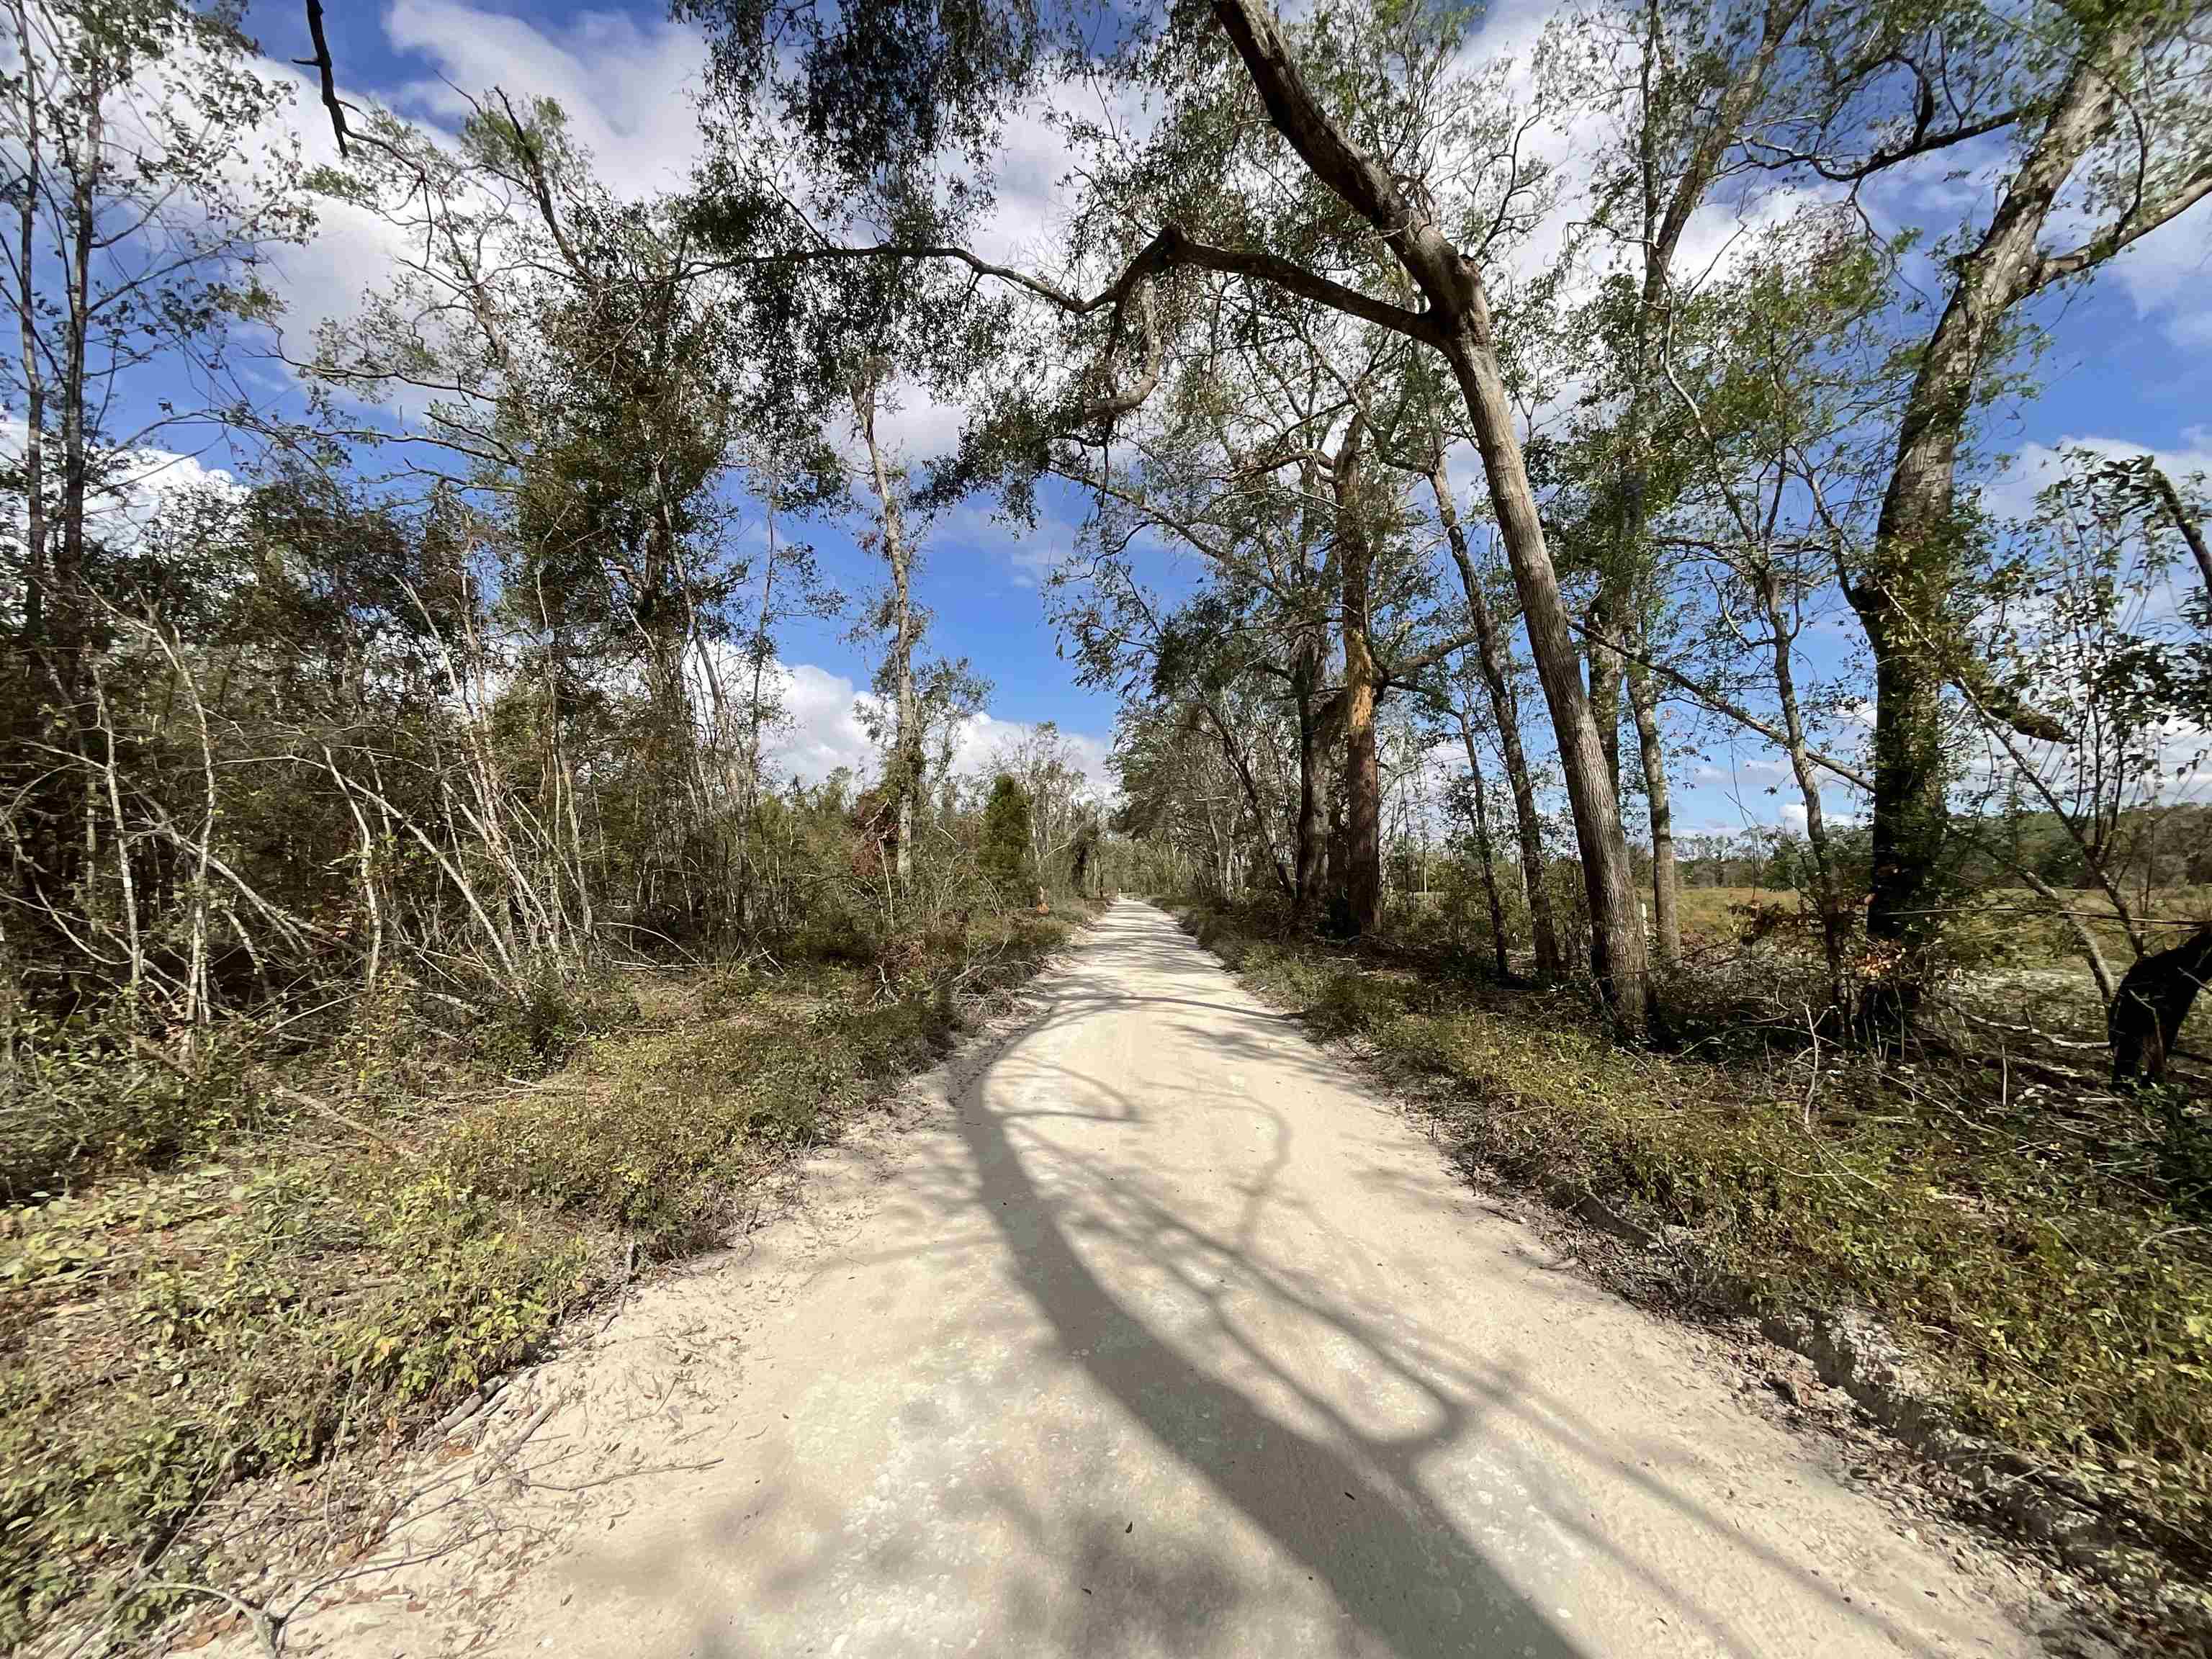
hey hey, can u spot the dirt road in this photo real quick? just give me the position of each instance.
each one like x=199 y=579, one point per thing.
x=1149 y=1334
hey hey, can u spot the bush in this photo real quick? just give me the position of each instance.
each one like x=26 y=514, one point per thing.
x=77 y=1099
x=238 y=1326
x=556 y=1012
x=727 y=989
x=1005 y=854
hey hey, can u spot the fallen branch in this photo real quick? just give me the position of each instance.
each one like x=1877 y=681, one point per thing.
x=269 y=1626
x=627 y=1474
x=325 y=1109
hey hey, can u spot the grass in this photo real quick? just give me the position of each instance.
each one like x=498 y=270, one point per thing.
x=280 y=1291
x=2042 y=1252
x=1998 y=928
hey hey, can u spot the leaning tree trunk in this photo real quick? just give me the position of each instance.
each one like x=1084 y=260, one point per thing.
x=1456 y=322
x=1505 y=709
x=1618 y=958
x=1363 y=763
x=1903 y=595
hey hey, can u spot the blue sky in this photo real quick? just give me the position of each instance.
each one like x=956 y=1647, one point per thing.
x=2129 y=362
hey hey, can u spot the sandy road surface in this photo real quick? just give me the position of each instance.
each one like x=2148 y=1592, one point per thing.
x=1150 y=1333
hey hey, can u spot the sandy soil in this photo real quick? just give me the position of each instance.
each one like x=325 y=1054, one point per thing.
x=1143 y=1330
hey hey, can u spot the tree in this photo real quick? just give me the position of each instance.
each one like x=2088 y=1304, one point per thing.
x=903 y=770
x=1391 y=236
x=142 y=202
x=1424 y=455
x=1774 y=369
x=1681 y=86
x=1061 y=809
x=1005 y=852
x=599 y=476
x=2092 y=611
x=2101 y=112
x=1260 y=464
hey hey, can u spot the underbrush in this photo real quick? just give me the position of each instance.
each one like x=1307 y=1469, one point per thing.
x=235 y=1277
x=2040 y=1250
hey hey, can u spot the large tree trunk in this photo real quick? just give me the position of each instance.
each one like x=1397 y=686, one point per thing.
x=1458 y=324
x=1666 y=884
x=1616 y=954
x=1363 y=765
x=1902 y=595
x=1505 y=707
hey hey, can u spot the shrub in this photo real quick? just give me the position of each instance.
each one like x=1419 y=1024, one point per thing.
x=1005 y=854
x=557 y=1012
x=80 y=1098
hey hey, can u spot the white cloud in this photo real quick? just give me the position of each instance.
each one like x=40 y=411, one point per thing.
x=328 y=280
x=982 y=740
x=624 y=84
x=823 y=730
x=1768 y=766
x=2164 y=277
x=2012 y=493
x=143 y=483
x=1029 y=554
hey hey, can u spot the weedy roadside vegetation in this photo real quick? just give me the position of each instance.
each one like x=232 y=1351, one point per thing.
x=240 y=1269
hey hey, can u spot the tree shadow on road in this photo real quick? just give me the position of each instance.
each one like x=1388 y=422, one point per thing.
x=1156 y=1307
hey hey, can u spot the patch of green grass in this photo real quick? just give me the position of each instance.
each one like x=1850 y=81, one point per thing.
x=2034 y=1252
x=173 y=1335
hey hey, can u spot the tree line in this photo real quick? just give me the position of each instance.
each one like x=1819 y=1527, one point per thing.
x=1639 y=385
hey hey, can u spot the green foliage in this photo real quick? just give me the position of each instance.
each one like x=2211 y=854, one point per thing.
x=1005 y=853
x=223 y=1328
x=555 y=1014
x=77 y=1099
